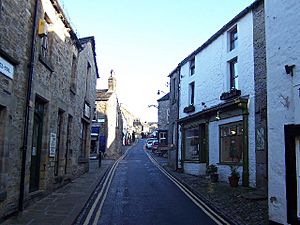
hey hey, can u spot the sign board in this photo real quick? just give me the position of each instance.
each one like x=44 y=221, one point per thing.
x=6 y=68
x=101 y=120
x=87 y=110
x=52 y=151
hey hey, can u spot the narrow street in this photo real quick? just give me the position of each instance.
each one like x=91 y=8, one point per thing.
x=141 y=194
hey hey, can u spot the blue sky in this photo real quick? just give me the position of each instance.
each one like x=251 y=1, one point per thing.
x=143 y=41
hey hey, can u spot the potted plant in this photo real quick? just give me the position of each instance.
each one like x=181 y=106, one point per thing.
x=212 y=171
x=234 y=176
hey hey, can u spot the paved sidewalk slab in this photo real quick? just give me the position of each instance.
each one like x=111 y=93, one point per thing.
x=63 y=206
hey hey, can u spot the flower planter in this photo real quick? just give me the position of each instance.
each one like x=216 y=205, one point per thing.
x=230 y=94
x=189 y=109
x=233 y=181
x=214 y=177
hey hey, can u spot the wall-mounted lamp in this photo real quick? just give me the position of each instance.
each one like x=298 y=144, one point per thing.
x=159 y=91
x=289 y=69
x=218 y=115
x=155 y=106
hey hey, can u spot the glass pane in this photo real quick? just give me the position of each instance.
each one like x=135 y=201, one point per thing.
x=232 y=144
x=192 y=141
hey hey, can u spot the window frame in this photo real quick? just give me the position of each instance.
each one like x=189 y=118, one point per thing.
x=229 y=125
x=233 y=38
x=233 y=74
x=192 y=93
x=192 y=66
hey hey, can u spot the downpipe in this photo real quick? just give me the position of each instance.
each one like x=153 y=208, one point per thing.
x=28 y=96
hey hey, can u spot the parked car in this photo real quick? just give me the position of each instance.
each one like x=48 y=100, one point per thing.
x=154 y=146
x=149 y=142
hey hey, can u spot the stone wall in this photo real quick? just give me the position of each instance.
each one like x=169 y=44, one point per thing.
x=15 y=28
x=51 y=87
x=173 y=117
x=260 y=79
x=163 y=113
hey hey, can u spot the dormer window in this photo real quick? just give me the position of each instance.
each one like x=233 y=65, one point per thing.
x=233 y=38
x=192 y=66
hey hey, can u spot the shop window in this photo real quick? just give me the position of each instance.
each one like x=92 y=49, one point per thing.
x=163 y=138
x=192 y=141
x=231 y=143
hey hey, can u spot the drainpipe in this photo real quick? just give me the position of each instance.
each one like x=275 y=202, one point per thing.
x=28 y=96
x=177 y=127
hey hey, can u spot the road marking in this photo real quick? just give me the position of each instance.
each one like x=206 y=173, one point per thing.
x=104 y=189
x=205 y=208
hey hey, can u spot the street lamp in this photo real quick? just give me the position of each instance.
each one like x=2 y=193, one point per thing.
x=155 y=106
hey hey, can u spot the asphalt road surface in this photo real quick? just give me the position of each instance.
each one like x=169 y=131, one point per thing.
x=140 y=194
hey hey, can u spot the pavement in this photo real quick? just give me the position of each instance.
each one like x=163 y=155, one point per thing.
x=63 y=205
x=239 y=205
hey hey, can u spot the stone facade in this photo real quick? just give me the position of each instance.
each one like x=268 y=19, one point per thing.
x=260 y=83
x=59 y=75
x=173 y=117
x=163 y=112
x=108 y=107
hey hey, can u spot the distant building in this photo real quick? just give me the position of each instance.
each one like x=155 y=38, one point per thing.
x=129 y=129
x=109 y=113
x=48 y=84
x=173 y=117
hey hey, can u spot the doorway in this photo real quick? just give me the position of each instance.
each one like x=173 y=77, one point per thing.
x=292 y=162
x=36 y=147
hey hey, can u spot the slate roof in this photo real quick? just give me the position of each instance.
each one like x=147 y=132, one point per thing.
x=103 y=95
x=164 y=98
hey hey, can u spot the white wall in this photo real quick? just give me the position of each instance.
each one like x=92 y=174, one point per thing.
x=282 y=44
x=211 y=69
x=211 y=80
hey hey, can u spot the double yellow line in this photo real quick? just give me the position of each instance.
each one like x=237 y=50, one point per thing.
x=205 y=208
x=102 y=194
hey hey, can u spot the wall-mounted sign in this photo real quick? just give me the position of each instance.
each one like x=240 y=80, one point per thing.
x=52 y=150
x=87 y=110
x=6 y=68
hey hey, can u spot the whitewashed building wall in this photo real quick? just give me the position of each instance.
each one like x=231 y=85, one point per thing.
x=212 y=78
x=283 y=48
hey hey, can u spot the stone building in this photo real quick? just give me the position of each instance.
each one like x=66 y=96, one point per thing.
x=129 y=129
x=108 y=107
x=48 y=78
x=173 y=117
x=282 y=20
x=163 y=119
x=222 y=110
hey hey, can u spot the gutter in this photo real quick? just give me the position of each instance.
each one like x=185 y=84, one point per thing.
x=28 y=96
